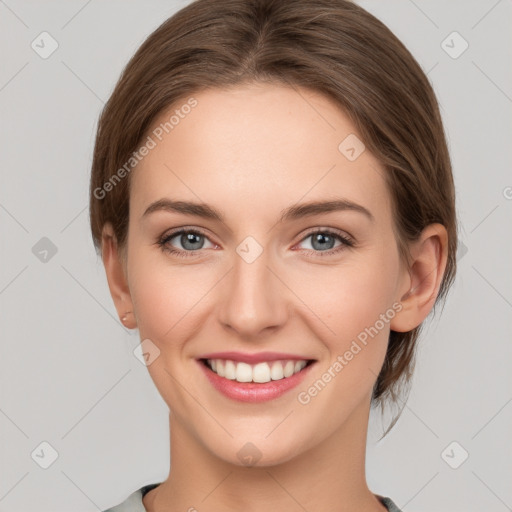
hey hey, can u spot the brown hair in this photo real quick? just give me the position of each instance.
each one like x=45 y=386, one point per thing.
x=334 y=47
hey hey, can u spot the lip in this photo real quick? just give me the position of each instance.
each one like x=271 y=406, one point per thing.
x=254 y=392
x=259 y=357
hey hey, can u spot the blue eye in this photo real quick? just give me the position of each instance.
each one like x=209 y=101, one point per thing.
x=192 y=241
x=189 y=238
x=323 y=240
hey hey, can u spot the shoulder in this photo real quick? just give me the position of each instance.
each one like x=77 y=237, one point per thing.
x=389 y=504
x=133 y=503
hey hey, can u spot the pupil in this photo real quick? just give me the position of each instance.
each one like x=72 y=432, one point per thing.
x=189 y=239
x=320 y=237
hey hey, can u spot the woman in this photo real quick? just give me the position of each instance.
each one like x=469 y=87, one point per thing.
x=272 y=196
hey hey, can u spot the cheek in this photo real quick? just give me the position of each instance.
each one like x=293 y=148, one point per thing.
x=351 y=307
x=169 y=302
x=168 y=298
x=350 y=301
x=349 y=297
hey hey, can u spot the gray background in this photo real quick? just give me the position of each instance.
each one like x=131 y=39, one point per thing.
x=68 y=373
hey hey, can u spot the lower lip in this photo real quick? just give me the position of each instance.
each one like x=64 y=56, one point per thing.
x=253 y=391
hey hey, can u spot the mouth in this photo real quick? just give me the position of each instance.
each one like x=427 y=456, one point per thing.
x=265 y=380
x=261 y=372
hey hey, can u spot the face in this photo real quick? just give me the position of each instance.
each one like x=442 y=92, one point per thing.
x=321 y=286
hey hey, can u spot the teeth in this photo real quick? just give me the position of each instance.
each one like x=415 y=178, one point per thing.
x=220 y=367
x=276 y=372
x=261 y=372
x=243 y=371
x=230 y=370
x=289 y=368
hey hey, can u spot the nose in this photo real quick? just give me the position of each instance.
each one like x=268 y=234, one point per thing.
x=255 y=301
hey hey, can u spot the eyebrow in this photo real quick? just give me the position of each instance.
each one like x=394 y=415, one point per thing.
x=292 y=213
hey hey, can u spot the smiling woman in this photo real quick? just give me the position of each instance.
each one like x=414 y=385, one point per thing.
x=278 y=246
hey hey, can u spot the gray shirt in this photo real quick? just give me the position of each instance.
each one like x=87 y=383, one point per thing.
x=134 y=502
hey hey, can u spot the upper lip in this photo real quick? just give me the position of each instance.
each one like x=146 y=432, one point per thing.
x=253 y=358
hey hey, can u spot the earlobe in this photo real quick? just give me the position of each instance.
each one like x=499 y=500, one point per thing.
x=116 y=276
x=429 y=258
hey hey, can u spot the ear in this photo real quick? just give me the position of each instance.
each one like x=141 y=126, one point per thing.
x=115 y=269
x=419 y=290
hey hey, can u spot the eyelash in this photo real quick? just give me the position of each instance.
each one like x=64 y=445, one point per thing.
x=345 y=242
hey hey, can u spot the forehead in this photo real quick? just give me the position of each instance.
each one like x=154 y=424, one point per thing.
x=257 y=149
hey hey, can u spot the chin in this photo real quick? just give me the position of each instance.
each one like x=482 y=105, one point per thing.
x=259 y=453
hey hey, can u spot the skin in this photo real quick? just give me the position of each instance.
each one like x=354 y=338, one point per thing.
x=251 y=152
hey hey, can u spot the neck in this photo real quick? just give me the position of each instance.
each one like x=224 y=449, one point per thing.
x=330 y=476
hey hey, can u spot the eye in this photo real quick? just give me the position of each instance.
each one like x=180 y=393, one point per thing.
x=323 y=240
x=191 y=240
